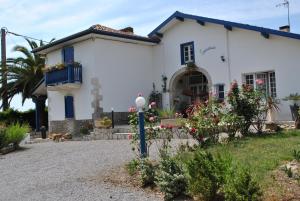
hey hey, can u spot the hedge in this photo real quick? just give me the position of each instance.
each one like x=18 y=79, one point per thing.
x=12 y=116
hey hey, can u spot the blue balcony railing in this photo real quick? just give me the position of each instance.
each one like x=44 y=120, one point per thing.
x=70 y=74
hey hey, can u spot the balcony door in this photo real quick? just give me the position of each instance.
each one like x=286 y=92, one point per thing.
x=68 y=55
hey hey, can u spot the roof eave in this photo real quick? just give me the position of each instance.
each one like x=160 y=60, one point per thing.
x=223 y=22
x=93 y=31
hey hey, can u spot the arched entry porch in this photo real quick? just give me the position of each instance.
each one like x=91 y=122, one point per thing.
x=189 y=85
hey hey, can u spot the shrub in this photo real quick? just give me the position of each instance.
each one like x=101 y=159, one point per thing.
x=296 y=155
x=133 y=166
x=2 y=138
x=11 y=116
x=170 y=178
x=247 y=103
x=232 y=123
x=207 y=175
x=203 y=121
x=242 y=187
x=147 y=172
x=15 y=133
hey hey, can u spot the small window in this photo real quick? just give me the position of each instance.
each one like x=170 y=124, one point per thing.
x=249 y=80
x=187 y=53
x=69 y=107
x=220 y=92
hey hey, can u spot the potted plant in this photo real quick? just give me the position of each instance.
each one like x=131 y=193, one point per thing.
x=191 y=66
x=294 y=100
x=168 y=117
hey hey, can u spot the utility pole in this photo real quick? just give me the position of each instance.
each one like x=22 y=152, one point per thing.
x=286 y=4
x=4 y=69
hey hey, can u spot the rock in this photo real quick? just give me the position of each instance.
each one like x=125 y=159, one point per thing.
x=67 y=136
x=272 y=126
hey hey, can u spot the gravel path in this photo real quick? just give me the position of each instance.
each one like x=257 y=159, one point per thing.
x=63 y=171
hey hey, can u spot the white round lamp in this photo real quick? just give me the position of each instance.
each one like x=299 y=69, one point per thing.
x=140 y=103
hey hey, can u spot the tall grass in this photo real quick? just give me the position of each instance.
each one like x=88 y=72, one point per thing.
x=15 y=133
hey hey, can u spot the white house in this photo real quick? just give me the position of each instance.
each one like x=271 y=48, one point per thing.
x=107 y=68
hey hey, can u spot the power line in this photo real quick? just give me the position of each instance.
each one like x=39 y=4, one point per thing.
x=24 y=36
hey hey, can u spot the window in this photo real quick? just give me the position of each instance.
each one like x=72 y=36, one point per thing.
x=68 y=55
x=272 y=84
x=249 y=80
x=187 y=53
x=69 y=107
x=267 y=82
x=220 y=91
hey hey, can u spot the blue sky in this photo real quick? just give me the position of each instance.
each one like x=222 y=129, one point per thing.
x=44 y=19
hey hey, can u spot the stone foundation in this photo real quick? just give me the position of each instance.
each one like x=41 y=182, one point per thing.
x=73 y=126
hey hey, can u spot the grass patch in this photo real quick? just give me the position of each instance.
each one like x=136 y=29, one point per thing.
x=264 y=153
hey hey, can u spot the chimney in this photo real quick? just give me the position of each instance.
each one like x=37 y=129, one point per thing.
x=285 y=28
x=127 y=30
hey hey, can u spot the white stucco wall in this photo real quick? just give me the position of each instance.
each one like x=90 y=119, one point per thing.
x=122 y=69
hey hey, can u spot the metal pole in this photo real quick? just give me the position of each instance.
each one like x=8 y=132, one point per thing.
x=142 y=134
x=4 y=69
x=112 y=118
x=288 y=5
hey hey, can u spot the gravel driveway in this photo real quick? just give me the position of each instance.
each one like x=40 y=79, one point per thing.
x=63 y=171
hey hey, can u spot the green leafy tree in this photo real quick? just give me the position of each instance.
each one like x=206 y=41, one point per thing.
x=24 y=73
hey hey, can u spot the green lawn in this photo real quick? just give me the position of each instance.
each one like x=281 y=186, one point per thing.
x=262 y=153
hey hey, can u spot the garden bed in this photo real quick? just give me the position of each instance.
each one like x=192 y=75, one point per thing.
x=263 y=154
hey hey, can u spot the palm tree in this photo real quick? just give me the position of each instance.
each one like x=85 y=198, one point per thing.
x=24 y=73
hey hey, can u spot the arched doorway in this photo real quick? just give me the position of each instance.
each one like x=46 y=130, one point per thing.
x=188 y=86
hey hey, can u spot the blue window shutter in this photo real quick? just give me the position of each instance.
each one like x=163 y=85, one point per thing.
x=68 y=55
x=182 y=54
x=69 y=107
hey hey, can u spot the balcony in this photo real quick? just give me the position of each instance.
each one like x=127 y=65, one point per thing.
x=69 y=77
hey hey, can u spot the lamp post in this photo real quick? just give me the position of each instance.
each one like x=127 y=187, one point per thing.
x=112 y=118
x=140 y=103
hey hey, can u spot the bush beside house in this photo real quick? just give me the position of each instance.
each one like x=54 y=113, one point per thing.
x=11 y=136
x=11 y=116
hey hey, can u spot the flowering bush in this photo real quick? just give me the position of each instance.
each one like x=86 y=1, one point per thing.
x=203 y=120
x=248 y=103
x=153 y=130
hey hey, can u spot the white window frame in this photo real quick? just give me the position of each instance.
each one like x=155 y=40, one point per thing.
x=218 y=92
x=188 y=53
x=271 y=89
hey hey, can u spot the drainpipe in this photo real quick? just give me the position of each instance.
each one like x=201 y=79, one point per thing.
x=228 y=55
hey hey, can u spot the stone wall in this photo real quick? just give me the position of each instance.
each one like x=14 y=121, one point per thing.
x=73 y=126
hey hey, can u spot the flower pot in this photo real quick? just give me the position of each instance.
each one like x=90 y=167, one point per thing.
x=172 y=122
x=294 y=110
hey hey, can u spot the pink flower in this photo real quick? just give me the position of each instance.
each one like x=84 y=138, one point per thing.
x=193 y=130
x=162 y=126
x=169 y=126
x=152 y=119
x=234 y=84
x=153 y=104
x=132 y=109
x=259 y=81
x=129 y=136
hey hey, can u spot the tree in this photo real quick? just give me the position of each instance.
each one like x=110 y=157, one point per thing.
x=24 y=73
